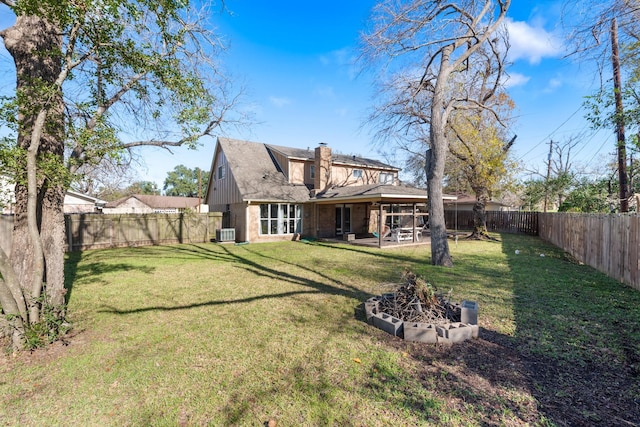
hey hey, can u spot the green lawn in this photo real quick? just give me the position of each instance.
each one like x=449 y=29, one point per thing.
x=237 y=334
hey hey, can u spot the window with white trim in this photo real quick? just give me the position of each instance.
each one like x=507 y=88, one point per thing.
x=221 y=171
x=280 y=218
x=386 y=178
x=357 y=173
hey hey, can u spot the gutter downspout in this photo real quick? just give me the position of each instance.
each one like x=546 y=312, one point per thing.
x=246 y=223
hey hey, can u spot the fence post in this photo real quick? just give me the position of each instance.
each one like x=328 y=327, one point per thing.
x=69 y=227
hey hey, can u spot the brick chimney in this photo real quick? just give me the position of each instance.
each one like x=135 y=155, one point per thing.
x=323 y=167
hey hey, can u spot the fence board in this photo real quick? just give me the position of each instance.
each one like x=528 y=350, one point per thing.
x=94 y=231
x=506 y=222
x=608 y=243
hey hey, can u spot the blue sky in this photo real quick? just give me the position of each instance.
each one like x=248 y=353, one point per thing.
x=296 y=61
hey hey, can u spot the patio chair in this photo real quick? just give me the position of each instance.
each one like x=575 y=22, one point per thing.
x=386 y=232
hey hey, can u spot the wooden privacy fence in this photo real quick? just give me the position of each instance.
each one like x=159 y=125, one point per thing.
x=110 y=231
x=94 y=231
x=506 y=222
x=608 y=243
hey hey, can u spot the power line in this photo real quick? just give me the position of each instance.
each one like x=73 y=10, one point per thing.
x=601 y=147
x=551 y=134
x=593 y=134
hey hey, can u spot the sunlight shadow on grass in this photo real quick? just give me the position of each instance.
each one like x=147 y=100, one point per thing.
x=572 y=335
x=114 y=310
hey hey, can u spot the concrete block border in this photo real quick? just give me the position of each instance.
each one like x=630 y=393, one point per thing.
x=389 y=324
x=450 y=333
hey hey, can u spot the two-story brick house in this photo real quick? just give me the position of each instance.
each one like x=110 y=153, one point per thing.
x=269 y=193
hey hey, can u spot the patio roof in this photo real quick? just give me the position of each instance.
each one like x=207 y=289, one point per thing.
x=375 y=193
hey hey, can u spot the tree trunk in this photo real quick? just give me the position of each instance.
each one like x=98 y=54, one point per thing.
x=12 y=303
x=437 y=227
x=621 y=144
x=479 y=214
x=31 y=42
x=435 y=167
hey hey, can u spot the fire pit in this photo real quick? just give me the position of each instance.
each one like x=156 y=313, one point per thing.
x=415 y=312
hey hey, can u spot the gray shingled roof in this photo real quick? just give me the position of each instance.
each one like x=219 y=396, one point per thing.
x=263 y=180
x=373 y=190
x=301 y=153
x=377 y=191
x=159 y=202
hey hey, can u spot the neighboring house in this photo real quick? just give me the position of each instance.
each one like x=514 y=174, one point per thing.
x=465 y=202
x=268 y=192
x=73 y=202
x=146 y=203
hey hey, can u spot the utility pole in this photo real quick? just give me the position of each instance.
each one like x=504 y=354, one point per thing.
x=546 y=183
x=621 y=144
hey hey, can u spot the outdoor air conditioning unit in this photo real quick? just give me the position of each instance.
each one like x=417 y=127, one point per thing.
x=226 y=235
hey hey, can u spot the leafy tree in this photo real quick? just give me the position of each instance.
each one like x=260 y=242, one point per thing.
x=590 y=196
x=540 y=193
x=434 y=62
x=532 y=194
x=143 y=187
x=479 y=160
x=185 y=182
x=90 y=76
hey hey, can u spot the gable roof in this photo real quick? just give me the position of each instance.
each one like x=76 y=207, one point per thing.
x=357 y=161
x=84 y=197
x=159 y=202
x=263 y=180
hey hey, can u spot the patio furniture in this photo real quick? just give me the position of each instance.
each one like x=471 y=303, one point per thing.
x=401 y=234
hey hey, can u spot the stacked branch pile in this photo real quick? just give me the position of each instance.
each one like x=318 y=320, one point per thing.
x=415 y=300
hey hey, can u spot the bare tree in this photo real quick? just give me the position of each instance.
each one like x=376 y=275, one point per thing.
x=560 y=174
x=428 y=48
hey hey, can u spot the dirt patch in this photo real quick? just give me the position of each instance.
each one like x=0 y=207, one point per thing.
x=487 y=371
x=41 y=355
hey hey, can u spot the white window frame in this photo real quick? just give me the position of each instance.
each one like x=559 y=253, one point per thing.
x=389 y=178
x=222 y=171
x=358 y=173
x=278 y=219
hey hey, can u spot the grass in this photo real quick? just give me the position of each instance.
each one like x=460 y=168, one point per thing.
x=234 y=335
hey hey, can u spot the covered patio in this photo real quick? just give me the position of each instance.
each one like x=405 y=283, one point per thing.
x=374 y=215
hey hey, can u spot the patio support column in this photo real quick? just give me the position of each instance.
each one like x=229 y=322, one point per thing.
x=380 y=224
x=414 y=222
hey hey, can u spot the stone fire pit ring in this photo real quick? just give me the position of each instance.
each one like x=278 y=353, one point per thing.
x=447 y=333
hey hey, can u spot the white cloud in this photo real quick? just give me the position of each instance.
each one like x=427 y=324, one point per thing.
x=279 y=101
x=325 y=92
x=343 y=60
x=339 y=57
x=516 y=79
x=553 y=85
x=531 y=42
